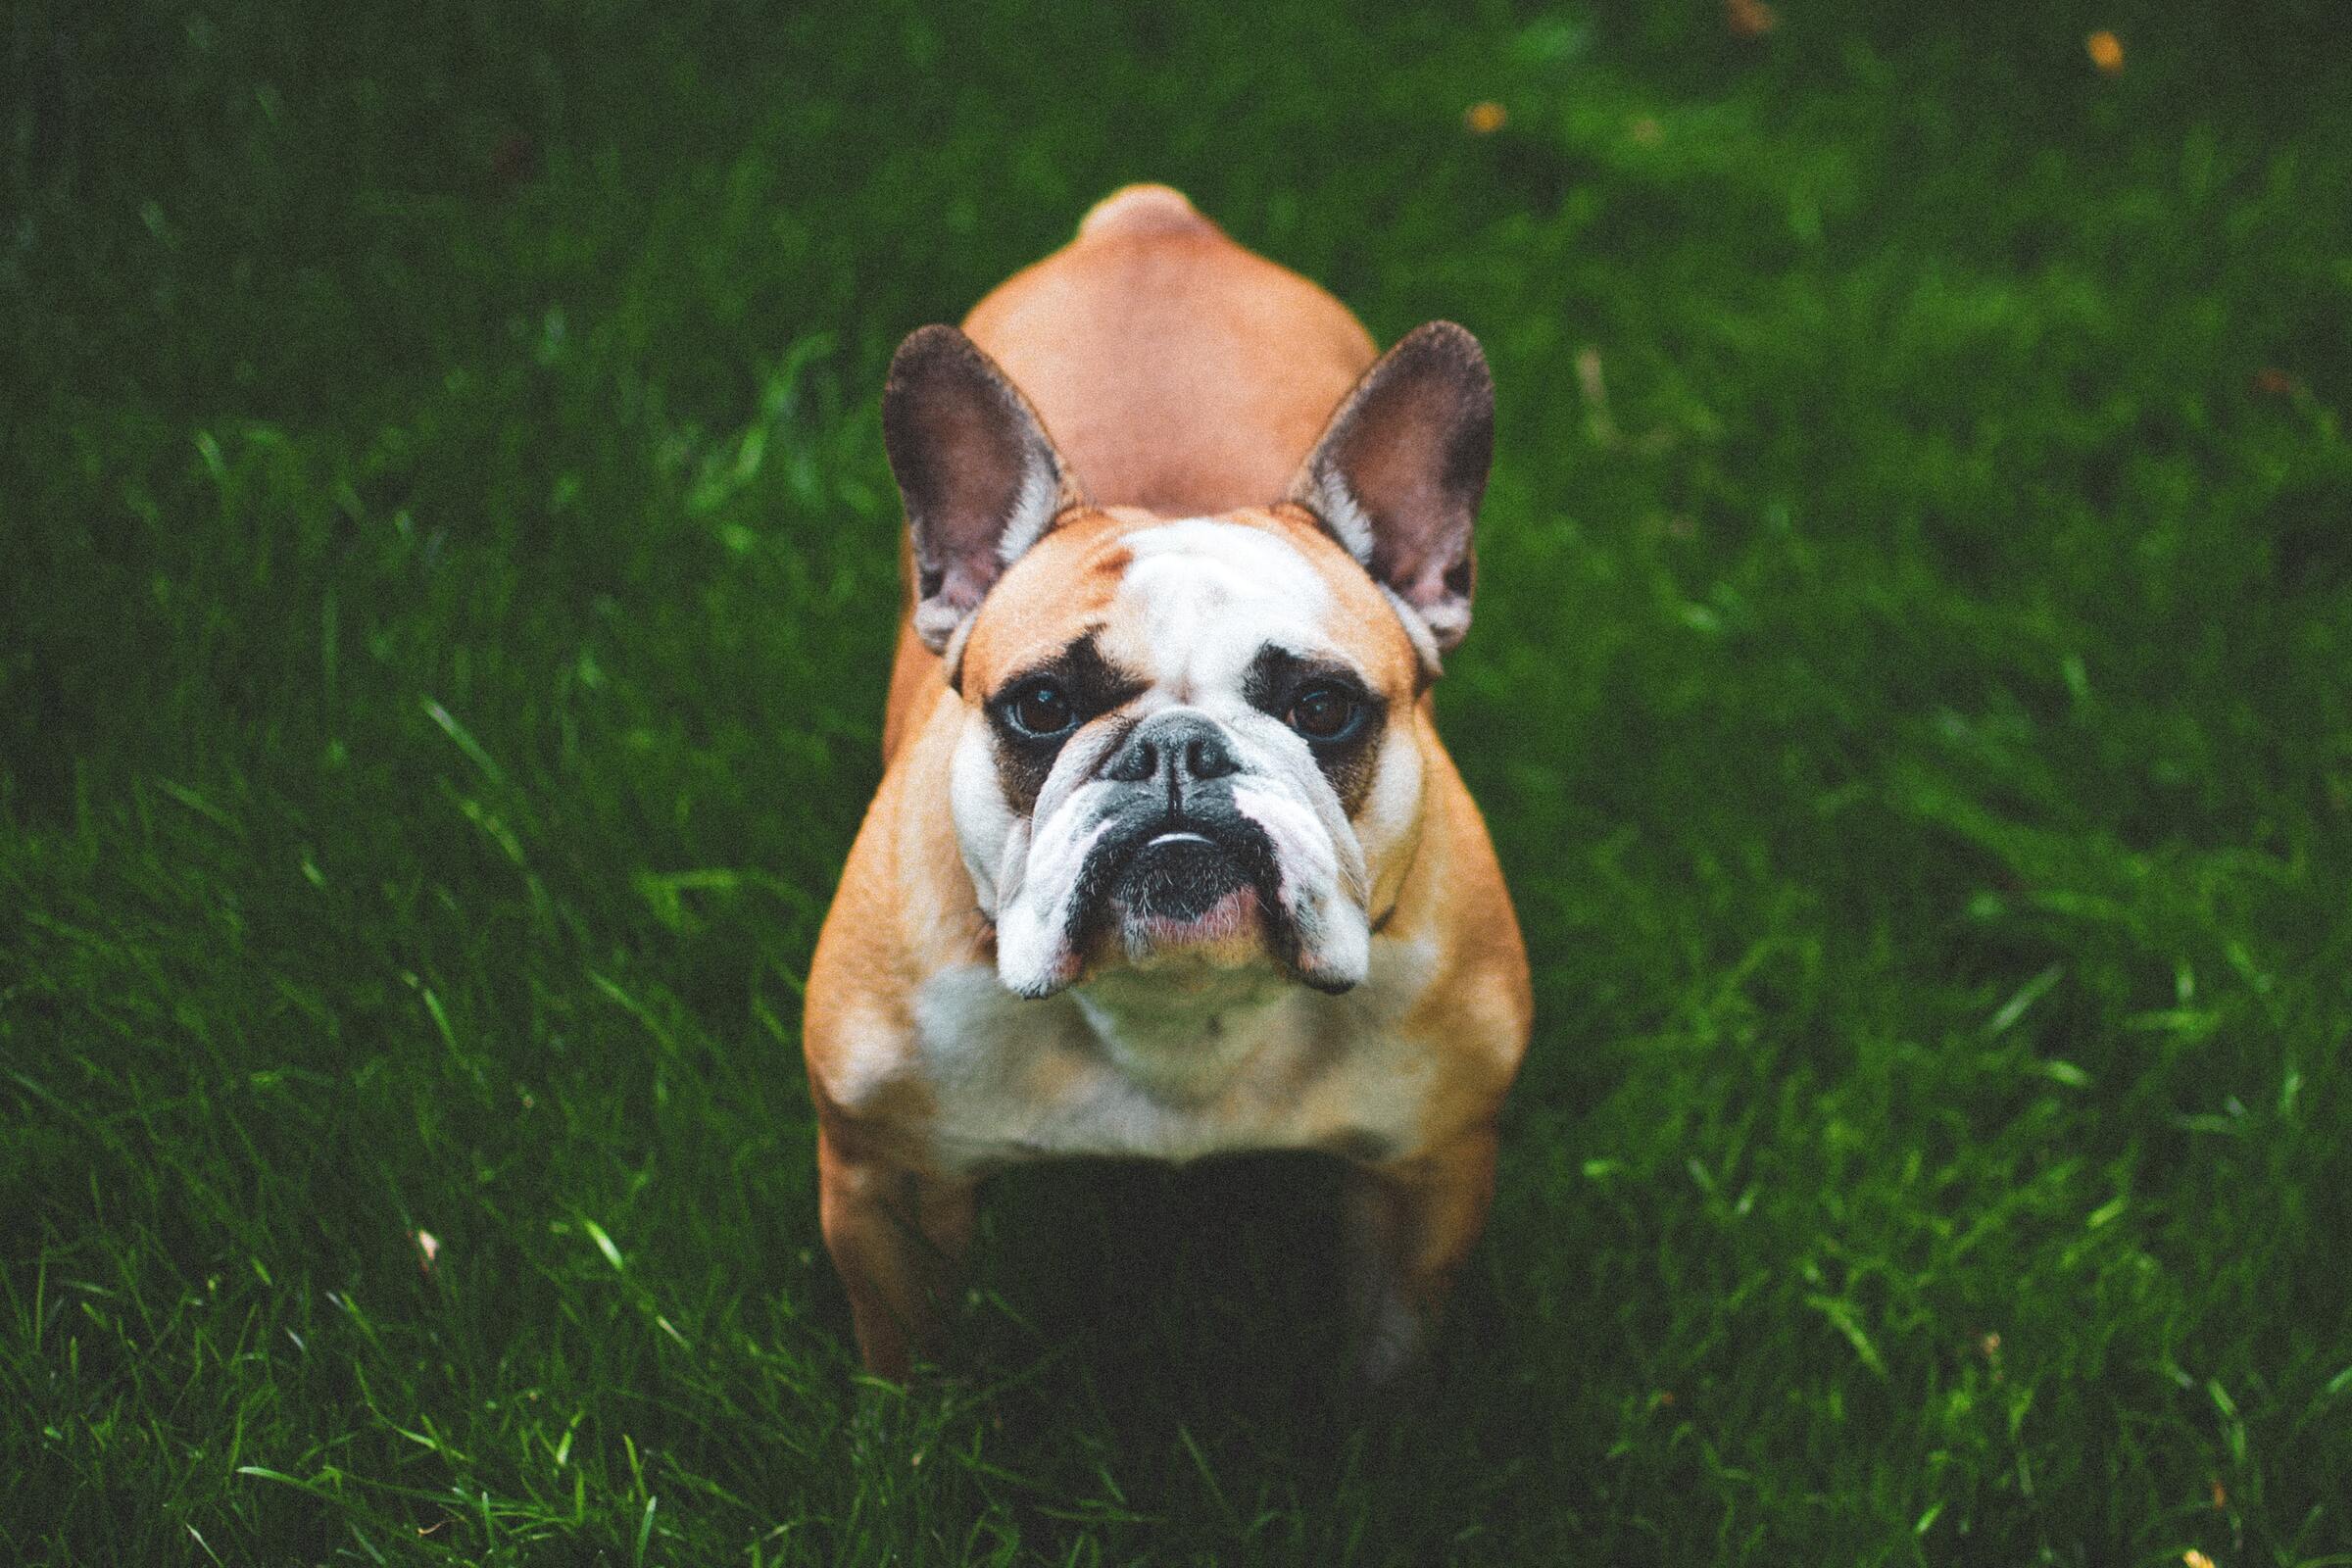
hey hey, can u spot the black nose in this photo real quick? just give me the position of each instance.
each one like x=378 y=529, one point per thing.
x=1177 y=748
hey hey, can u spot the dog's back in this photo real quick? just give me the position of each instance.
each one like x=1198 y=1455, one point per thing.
x=1173 y=368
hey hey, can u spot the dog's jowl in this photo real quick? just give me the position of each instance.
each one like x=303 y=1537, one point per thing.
x=1167 y=860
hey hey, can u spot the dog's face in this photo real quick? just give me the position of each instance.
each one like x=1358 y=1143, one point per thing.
x=1185 y=741
x=1189 y=742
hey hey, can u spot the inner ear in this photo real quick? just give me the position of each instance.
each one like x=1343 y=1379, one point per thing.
x=978 y=473
x=1398 y=472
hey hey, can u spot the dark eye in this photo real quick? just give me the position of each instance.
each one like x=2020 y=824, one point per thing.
x=1324 y=711
x=1040 y=709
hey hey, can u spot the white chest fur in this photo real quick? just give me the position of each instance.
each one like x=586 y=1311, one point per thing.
x=1171 y=1066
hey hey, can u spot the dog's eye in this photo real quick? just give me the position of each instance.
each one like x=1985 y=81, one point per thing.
x=1040 y=709
x=1324 y=711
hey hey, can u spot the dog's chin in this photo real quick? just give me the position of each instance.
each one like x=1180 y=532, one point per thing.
x=1229 y=934
x=1182 y=898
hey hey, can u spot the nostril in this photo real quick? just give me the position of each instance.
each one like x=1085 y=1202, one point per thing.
x=1205 y=757
x=1136 y=762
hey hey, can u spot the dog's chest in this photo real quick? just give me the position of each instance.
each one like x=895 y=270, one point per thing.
x=1014 y=1080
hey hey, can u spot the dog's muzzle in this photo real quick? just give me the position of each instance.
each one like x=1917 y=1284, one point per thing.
x=1177 y=851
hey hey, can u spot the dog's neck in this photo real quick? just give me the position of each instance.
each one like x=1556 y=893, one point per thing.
x=1181 y=1029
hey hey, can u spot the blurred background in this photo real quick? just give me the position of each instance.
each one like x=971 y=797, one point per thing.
x=447 y=574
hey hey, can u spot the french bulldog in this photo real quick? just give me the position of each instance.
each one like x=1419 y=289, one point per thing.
x=1167 y=858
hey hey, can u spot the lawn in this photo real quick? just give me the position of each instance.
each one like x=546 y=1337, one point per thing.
x=446 y=573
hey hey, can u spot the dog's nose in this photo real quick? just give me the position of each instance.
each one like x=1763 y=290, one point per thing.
x=1178 y=748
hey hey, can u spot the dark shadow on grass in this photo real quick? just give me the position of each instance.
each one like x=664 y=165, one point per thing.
x=1184 y=1332
x=1212 y=1289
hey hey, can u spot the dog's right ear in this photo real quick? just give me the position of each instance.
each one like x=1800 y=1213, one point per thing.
x=1397 y=476
x=979 y=475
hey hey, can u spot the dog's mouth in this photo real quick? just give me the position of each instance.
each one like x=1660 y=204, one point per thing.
x=1178 y=875
x=1185 y=885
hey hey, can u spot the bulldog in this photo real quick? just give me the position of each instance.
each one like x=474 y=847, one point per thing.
x=1167 y=860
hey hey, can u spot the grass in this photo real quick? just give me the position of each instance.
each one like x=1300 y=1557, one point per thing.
x=448 y=575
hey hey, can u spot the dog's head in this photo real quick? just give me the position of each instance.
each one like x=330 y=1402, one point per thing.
x=1189 y=742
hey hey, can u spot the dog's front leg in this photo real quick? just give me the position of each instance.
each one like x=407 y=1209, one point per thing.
x=898 y=1238
x=1410 y=1224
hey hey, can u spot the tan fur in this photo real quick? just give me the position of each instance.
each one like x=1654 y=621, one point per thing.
x=1175 y=371
x=1178 y=375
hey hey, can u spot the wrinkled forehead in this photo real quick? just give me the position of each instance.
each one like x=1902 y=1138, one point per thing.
x=1200 y=599
x=1189 y=604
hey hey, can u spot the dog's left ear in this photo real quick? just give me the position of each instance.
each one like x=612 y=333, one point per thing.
x=979 y=474
x=1397 y=474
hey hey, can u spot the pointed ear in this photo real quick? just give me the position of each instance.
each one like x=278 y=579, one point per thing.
x=1397 y=474
x=980 y=479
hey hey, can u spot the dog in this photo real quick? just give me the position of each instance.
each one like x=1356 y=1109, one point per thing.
x=1167 y=860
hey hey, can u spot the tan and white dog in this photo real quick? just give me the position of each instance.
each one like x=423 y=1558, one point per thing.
x=1167 y=860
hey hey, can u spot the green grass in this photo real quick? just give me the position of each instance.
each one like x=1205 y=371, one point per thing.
x=445 y=588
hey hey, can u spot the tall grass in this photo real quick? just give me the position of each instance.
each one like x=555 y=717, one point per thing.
x=444 y=594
